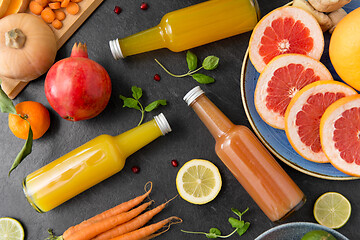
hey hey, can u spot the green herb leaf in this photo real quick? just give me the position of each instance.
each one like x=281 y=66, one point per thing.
x=202 y=78
x=136 y=92
x=213 y=233
x=210 y=62
x=26 y=150
x=237 y=212
x=131 y=103
x=242 y=230
x=122 y=97
x=155 y=104
x=6 y=105
x=191 y=60
x=236 y=223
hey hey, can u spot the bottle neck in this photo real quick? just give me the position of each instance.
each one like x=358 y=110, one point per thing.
x=134 y=139
x=216 y=121
x=148 y=40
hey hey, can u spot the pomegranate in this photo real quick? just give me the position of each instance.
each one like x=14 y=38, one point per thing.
x=77 y=88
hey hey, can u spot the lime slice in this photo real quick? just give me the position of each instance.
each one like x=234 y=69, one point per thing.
x=332 y=210
x=198 y=181
x=11 y=229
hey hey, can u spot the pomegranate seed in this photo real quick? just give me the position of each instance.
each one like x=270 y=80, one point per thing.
x=157 y=77
x=174 y=163
x=117 y=10
x=144 y=6
x=135 y=169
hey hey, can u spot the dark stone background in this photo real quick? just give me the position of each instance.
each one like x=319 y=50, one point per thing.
x=189 y=139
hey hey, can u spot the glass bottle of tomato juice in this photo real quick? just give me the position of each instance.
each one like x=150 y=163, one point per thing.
x=248 y=160
x=87 y=165
x=192 y=26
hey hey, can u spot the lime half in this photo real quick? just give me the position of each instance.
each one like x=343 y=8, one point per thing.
x=198 y=181
x=11 y=229
x=332 y=210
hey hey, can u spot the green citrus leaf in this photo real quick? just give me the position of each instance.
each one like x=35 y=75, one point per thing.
x=210 y=62
x=6 y=105
x=202 y=78
x=191 y=60
x=155 y=104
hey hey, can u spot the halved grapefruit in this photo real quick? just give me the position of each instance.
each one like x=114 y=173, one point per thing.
x=285 y=30
x=340 y=134
x=281 y=79
x=302 y=117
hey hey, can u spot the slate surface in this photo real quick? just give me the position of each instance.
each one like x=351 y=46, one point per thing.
x=189 y=139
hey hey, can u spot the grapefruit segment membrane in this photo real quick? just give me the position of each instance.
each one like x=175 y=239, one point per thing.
x=340 y=134
x=285 y=30
x=302 y=117
x=281 y=79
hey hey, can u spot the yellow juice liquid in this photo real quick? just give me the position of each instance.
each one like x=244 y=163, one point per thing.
x=85 y=166
x=194 y=26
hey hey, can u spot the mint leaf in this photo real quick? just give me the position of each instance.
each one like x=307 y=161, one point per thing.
x=210 y=62
x=191 y=60
x=155 y=104
x=26 y=150
x=237 y=212
x=203 y=79
x=242 y=230
x=6 y=105
x=236 y=223
x=131 y=103
x=136 y=92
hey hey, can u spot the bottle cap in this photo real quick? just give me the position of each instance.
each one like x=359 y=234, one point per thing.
x=162 y=123
x=193 y=94
x=115 y=49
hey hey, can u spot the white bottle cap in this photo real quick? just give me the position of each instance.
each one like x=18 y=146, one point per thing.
x=162 y=123
x=193 y=94
x=115 y=49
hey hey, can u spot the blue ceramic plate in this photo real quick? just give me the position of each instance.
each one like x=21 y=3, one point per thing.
x=274 y=139
x=295 y=231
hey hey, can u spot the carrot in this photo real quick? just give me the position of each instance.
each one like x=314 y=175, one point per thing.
x=131 y=225
x=72 y=8
x=48 y=15
x=148 y=232
x=123 y=207
x=59 y=14
x=106 y=224
x=57 y=24
x=35 y=7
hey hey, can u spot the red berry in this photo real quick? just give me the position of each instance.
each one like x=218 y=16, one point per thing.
x=117 y=10
x=144 y=6
x=157 y=77
x=174 y=163
x=135 y=169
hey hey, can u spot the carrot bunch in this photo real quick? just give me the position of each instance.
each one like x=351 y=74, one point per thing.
x=51 y=11
x=122 y=222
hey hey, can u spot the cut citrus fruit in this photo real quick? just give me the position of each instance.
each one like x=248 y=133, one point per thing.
x=281 y=79
x=340 y=134
x=285 y=30
x=11 y=229
x=302 y=117
x=198 y=181
x=332 y=210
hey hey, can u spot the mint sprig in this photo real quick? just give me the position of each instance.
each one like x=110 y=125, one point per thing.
x=209 y=63
x=134 y=102
x=239 y=225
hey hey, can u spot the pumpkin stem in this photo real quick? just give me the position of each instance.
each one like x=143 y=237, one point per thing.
x=15 y=38
x=79 y=50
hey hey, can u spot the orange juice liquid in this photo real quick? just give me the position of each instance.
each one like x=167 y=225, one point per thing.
x=85 y=166
x=194 y=26
x=251 y=164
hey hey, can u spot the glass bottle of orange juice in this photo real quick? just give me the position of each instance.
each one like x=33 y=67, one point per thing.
x=248 y=160
x=87 y=165
x=191 y=27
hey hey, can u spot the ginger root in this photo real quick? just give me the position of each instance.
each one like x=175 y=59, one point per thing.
x=336 y=17
x=328 y=5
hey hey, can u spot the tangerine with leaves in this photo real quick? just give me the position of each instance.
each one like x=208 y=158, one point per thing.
x=33 y=112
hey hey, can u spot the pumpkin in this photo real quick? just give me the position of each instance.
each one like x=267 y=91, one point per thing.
x=27 y=47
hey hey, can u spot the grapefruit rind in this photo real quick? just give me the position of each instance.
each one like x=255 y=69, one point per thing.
x=286 y=11
x=269 y=116
x=296 y=104
x=327 y=127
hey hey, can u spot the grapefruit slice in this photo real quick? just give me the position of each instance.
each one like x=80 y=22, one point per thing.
x=340 y=134
x=285 y=30
x=282 y=78
x=302 y=117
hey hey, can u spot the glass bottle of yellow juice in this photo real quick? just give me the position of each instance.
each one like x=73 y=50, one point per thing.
x=87 y=165
x=191 y=27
